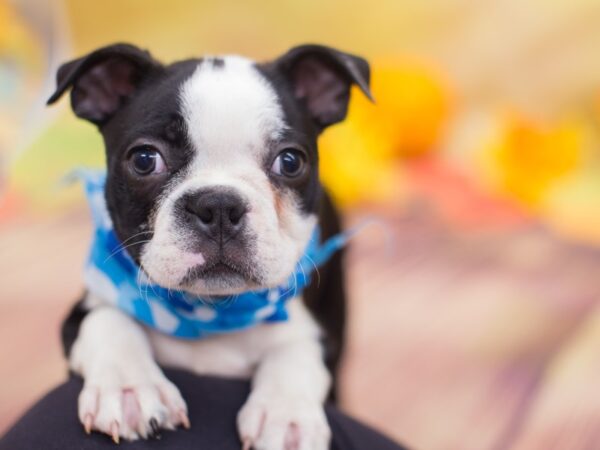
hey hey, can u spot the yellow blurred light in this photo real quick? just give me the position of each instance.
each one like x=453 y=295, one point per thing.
x=353 y=170
x=571 y=207
x=17 y=39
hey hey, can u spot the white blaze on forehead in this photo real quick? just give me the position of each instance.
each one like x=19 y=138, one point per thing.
x=230 y=109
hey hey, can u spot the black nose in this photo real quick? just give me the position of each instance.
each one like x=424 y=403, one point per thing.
x=216 y=212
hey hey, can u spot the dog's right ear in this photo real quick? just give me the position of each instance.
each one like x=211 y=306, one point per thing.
x=104 y=80
x=320 y=78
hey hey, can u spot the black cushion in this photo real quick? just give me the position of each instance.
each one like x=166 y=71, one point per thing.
x=213 y=405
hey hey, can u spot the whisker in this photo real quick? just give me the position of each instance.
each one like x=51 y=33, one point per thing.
x=139 y=281
x=295 y=285
x=145 y=295
x=230 y=300
x=124 y=247
x=312 y=261
x=136 y=235
x=302 y=269
x=153 y=290
x=290 y=289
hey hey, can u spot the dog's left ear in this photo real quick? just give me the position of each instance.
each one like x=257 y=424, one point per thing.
x=321 y=78
x=102 y=81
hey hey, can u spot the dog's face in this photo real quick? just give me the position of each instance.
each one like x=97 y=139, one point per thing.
x=212 y=181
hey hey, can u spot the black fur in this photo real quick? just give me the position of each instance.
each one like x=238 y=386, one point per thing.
x=325 y=297
x=71 y=324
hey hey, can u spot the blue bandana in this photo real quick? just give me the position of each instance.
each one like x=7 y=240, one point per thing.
x=111 y=274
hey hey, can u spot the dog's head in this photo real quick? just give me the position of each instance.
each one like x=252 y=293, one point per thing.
x=212 y=181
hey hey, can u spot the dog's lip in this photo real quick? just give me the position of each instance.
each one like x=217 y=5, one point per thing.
x=218 y=268
x=221 y=268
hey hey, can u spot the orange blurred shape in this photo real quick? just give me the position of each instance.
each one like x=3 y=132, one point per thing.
x=359 y=158
x=412 y=103
x=412 y=106
x=530 y=157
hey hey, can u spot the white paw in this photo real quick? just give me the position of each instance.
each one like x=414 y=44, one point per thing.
x=278 y=422
x=131 y=408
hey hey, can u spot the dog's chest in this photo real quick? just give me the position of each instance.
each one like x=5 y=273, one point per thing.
x=234 y=354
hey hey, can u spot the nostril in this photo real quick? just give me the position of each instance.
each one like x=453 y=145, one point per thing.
x=205 y=215
x=236 y=214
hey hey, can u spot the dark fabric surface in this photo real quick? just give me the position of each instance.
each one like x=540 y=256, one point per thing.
x=213 y=404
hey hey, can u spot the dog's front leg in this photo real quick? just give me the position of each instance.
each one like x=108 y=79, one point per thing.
x=285 y=408
x=125 y=394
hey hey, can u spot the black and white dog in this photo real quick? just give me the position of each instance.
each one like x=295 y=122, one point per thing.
x=212 y=170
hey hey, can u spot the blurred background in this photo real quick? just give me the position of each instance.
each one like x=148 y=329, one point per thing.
x=474 y=316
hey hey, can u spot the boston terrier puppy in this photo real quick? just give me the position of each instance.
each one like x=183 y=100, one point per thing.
x=212 y=191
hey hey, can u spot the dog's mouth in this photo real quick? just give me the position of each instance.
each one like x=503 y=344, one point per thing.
x=222 y=272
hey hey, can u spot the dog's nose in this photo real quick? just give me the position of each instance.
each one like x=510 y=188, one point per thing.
x=217 y=213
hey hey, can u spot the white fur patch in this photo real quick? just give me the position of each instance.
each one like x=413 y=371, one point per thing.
x=113 y=355
x=230 y=111
x=237 y=354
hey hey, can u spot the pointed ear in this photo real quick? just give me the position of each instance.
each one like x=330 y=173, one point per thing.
x=321 y=78
x=104 y=80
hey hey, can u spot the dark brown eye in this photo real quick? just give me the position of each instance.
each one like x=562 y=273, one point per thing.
x=289 y=163
x=146 y=160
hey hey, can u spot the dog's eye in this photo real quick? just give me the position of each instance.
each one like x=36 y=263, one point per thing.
x=146 y=160
x=289 y=163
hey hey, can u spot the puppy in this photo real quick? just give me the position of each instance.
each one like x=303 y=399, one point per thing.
x=212 y=187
